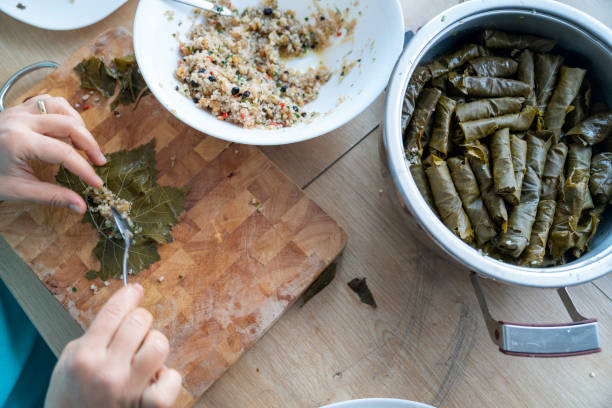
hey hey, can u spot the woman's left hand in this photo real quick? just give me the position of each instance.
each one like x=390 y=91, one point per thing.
x=27 y=134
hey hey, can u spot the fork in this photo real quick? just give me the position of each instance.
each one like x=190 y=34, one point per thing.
x=207 y=5
x=127 y=235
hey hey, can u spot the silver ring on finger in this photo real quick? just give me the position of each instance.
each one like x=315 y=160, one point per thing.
x=41 y=106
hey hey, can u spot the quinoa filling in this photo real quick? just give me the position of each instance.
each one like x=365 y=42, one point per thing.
x=233 y=66
x=100 y=200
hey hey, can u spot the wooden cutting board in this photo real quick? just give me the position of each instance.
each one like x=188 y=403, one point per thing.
x=232 y=270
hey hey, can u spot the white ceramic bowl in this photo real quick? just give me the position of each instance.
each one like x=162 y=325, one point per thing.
x=377 y=40
x=378 y=403
x=60 y=15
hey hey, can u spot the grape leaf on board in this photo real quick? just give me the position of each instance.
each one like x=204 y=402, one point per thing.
x=132 y=85
x=96 y=75
x=131 y=175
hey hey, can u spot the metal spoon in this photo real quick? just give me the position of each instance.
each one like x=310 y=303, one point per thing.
x=208 y=6
x=127 y=235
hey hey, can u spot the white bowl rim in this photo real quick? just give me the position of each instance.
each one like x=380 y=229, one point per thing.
x=380 y=403
x=287 y=135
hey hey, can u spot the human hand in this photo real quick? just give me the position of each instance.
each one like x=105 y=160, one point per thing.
x=118 y=362
x=26 y=134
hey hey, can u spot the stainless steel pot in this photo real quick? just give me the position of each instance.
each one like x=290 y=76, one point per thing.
x=578 y=34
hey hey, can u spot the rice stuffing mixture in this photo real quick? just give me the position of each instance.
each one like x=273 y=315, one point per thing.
x=232 y=66
x=100 y=200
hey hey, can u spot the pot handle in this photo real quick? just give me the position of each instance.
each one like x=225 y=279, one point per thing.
x=541 y=340
x=11 y=81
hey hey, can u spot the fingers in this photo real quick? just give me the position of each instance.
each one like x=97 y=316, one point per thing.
x=163 y=392
x=54 y=151
x=149 y=359
x=110 y=317
x=54 y=105
x=35 y=191
x=65 y=126
x=130 y=335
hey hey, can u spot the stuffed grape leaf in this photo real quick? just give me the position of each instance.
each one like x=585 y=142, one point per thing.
x=132 y=176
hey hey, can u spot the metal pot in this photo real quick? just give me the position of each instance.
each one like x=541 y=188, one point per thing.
x=577 y=34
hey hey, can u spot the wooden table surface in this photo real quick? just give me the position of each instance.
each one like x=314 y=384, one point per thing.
x=426 y=341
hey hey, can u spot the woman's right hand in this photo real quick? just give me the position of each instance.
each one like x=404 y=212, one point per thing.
x=118 y=362
x=26 y=134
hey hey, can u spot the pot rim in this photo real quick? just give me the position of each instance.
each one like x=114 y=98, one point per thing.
x=579 y=271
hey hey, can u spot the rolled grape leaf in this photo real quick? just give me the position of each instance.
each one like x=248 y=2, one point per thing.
x=440 y=82
x=486 y=108
x=587 y=228
x=488 y=87
x=526 y=74
x=447 y=63
x=504 y=180
x=588 y=201
x=478 y=156
x=581 y=159
x=467 y=186
x=447 y=199
x=547 y=68
x=518 y=147
x=96 y=75
x=600 y=182
x=522 y=217
x=440 y=138
x=593 y=130
x=155 y=209
x=416 y=84
x=580 y=106
x=426 y=105
x=536 y=250
x=420 y=179
x=500 y=39
x=516 y=122
x=501 y=67
x=553 y=171
x=571 y=201
x=570 y=81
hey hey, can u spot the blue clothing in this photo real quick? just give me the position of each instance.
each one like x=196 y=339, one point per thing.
x=26 y=362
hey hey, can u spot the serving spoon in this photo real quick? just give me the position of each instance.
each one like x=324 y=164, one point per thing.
x=208 y=6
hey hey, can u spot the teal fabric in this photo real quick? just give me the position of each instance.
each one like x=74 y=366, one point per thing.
x=25 y=359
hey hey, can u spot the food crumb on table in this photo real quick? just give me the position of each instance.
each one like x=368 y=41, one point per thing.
x=591 y=374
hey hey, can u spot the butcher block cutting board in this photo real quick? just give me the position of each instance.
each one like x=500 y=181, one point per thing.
x=233 y=268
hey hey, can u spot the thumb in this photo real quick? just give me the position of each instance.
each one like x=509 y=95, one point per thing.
x=45 y=193
x=164 y=391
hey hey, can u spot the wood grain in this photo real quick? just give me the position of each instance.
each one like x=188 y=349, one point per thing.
x=233 y=267
x=426 y=341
